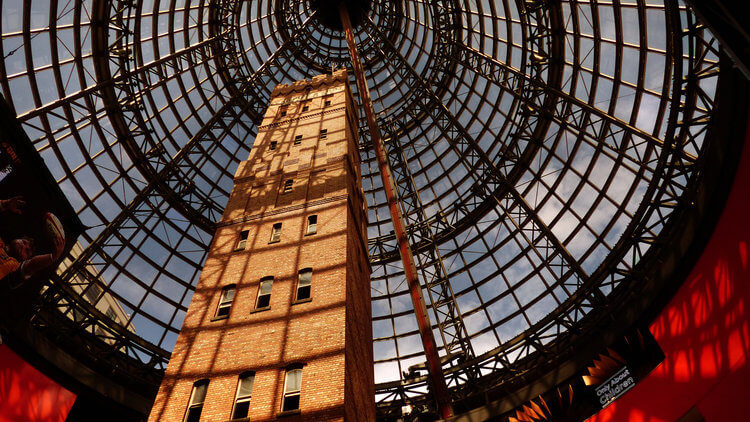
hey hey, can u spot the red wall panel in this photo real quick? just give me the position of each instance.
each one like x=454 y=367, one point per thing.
x=28 y=395
x=704 y=331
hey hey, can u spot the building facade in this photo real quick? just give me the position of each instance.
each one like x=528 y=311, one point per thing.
x=280 y=322
x=91 y=289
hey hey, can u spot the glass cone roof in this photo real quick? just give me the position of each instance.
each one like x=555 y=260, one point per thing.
x=541 y=150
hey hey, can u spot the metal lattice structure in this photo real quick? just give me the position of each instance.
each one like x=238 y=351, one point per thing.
x=544 y=153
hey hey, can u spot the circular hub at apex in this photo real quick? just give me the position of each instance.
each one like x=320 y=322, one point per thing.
x=328 y=12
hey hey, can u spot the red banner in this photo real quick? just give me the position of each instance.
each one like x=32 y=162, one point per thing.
x=27 y=395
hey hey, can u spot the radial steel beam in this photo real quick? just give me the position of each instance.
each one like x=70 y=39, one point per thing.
x=439 y=388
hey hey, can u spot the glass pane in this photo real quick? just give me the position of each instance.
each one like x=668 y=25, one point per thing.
x=293 y=380
x=199 y=393
x=265 y=287
x=246 y=386
x=305 y=276
x=241 y=409
x=194 y=414
x=264 y=301
x=227 y=294
x=303 y=293
x=291 y=402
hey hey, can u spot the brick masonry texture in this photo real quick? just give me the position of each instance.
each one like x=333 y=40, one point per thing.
x=330 y=335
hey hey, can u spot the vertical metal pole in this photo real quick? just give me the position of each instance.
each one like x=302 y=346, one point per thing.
x=439 y=388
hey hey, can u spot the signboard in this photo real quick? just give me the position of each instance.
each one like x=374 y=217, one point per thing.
x=614 y=387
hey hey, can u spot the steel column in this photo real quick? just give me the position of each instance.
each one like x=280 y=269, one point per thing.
x=439 y=387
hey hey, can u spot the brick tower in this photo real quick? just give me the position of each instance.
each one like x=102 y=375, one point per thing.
x=280 y=323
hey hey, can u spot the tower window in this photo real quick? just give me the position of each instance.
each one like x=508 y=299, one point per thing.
x=303 y=285
x=264 y=293
x=323 y=133
x=275 y=233
x=292 y=390
x=242 y=241
x=297 y=139
x=272 y=146
x=225 y=301
x=197 y=397
x=312 y=224
x=288 y=185
x=305 y=106
x=283 y=110
x=242 y=399
x=327 y=100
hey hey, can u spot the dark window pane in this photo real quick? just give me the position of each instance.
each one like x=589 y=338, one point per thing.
x=241 y=409
x=264 y=301
x=291 y=402
x=303 y=292
x=194 y=414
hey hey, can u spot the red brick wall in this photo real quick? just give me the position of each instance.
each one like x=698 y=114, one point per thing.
x=330 y=334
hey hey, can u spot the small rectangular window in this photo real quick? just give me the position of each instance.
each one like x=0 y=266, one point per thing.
x=225 y=301
x=283 y=110
x=305 y=106
x=323 y=133
x=272 y=146
x=275 y=233
x=242 y=399
x=288 y=185
x=93 y=292
x=197 y=397
x=327 y=100
x=312 y=224
x=303 y=285
x=297 y=139
x=111 y=314
x=264 y=293
x=292 y=390
x=242 y=240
